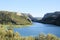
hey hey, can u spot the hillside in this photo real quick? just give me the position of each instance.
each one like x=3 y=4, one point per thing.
x=14 y=18
x=34 y=19
x=51 y=18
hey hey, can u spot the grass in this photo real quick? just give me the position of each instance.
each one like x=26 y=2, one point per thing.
x=14 y=26
x=11 y=35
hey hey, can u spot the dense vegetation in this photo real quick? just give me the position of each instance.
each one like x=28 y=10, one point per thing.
x=51 y=18
x=13 y=18
x=9 y=34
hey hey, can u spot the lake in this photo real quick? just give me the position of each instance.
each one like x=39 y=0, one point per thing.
x=37 y=28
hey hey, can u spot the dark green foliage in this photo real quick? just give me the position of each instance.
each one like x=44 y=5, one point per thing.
x=51 y=18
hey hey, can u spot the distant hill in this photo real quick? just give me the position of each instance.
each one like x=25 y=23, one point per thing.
x=34 y=19
x=51 y=18
x=14 y=18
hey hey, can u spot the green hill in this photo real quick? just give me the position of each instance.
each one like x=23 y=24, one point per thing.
x=14 y=18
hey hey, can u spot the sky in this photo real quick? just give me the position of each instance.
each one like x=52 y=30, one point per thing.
x=37 y=8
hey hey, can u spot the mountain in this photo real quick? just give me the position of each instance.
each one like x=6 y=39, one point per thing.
x=51 y=18
x=15 y=18
x=34 y=19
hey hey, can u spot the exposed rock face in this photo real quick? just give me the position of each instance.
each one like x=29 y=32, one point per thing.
x=12 y=18
x=51 y=18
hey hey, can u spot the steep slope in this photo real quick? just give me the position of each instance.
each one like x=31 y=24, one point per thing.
x=34 y=19
x=51 y=18
x=12 y=18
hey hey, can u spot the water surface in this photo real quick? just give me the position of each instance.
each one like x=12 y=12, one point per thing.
x=38 y=28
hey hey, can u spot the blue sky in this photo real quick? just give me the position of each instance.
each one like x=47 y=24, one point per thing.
x=35 y=7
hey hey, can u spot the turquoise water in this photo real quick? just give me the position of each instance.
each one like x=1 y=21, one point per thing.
x=37 y=28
